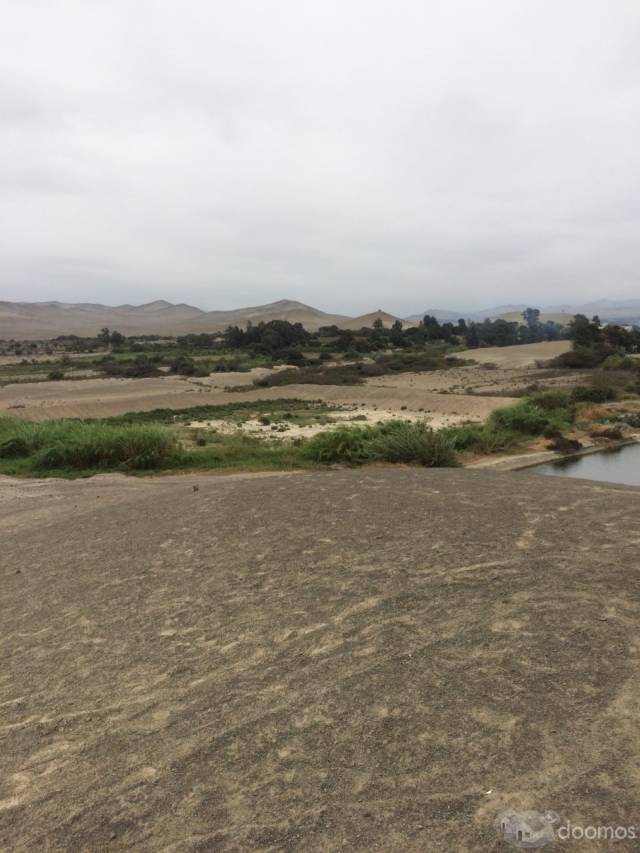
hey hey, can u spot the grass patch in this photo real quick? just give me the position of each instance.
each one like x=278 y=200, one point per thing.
x=394 y=441
x=482 y=438
x=541 y=413
x=239 y=452
x=70 y=445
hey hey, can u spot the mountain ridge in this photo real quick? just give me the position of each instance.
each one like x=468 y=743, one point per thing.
x=49 y=319
x=41 y=320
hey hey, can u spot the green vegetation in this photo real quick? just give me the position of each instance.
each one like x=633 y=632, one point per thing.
x=593 y=393
x=596 y=345
x=541 y=413
x=164 y=440
x=394 y=441
x=60 y=446
x=277 y=342
x=299 y=411
x=73 y=448
x=355 y=373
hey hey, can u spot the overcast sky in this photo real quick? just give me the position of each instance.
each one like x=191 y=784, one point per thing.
x=353 y=154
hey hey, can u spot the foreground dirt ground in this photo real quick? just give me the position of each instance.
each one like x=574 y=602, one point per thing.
x=371 y=660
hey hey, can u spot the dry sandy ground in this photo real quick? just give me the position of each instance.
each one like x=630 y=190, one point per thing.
x=524 y=355
x=441 y=395
x=105 y=397
x=370 y=660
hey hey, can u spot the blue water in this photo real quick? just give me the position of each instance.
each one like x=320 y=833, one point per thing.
x=611 y=466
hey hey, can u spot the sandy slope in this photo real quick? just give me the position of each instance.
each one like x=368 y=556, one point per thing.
x=524 y=355
x=373 y=660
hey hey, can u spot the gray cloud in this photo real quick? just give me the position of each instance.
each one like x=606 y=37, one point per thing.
x=351 y=155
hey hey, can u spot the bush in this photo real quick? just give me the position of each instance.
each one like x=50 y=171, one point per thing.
x=142 y=366
x=13 y=448
x=481 y=438
x=129 y=448
x=403 y=441
x=620 y=362
x=55 y=375
x=343 y=444
x=523 y=418
x=397 y=441
x=79 y=445
x=550 y=401
x=593 y=394
x=580 y=359
x=184 y=365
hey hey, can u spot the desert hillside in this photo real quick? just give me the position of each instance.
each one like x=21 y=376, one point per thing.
x=39 y=320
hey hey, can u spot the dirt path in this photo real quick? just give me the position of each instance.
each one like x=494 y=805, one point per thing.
x=370 y=660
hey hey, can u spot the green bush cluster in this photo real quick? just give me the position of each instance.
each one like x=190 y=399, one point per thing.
x=86 y=445
x=481 y=438
x=620 y=362
x=593 y=394
x=394 y=441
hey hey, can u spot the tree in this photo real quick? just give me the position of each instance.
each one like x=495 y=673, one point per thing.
x=183 y=365
x=583 y=333
x=472 y=339
x=396 y=335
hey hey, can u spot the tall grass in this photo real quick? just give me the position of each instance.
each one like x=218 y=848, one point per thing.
x=395 y=441
x=86 y=445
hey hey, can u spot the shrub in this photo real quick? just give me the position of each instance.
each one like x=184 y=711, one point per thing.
x=620 y=362
x=184 y=365
x=60 y=444
x=13 y=448
x=403 y=441
x=593 y=394
x=551 y=400
x=93 y=446
x=579 y=359
x=343 y=444
x=141 y=366
x=523 y=418
x=397 y=441
x=55 y=375
x=481 y=438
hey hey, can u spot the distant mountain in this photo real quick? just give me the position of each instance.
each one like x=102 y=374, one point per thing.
x=449 y=316
x=367 y=320
x=625 y=311
x=441 y=314
x=611 y=310
x=42 y=320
